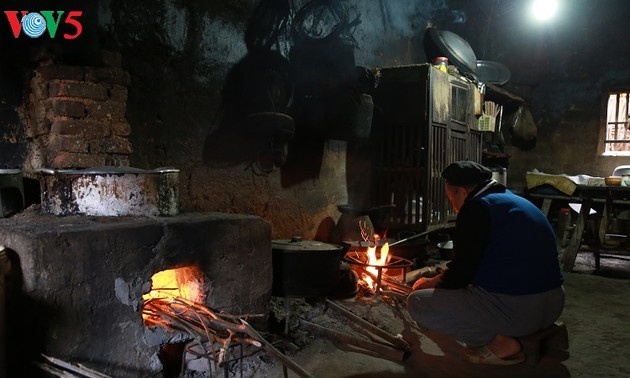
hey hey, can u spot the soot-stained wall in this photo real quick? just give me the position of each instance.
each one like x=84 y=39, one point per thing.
x=180 y=55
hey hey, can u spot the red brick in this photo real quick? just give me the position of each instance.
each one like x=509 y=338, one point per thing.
x=68 y=108
x=78 y=89
x=111 y=146
x=111 y=75
x=108 y=110
x=86 y=129
x=118 y=93
x=75 y=160
x=117 y=160
x=58 y=72
x=120 y=128
x=58 y=143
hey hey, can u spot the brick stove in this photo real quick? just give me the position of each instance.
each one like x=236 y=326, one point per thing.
x=83 y=279
x=76 y=284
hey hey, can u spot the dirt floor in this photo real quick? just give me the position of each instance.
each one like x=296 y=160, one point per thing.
x=596 y=316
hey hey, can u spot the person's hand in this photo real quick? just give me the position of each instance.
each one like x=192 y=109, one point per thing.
x=426 y=283
x=419 y=284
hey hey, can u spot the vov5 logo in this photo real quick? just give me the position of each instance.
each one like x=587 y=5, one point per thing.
x=34 y=24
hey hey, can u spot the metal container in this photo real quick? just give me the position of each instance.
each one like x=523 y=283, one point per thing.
x=304 y=268
x=110 y=191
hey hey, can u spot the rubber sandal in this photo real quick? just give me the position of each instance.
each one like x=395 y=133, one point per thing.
x=483 y=355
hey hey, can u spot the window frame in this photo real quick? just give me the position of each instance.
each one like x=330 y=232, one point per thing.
x=603 y=129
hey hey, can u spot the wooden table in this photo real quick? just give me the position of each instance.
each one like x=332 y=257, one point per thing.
x=610 y=196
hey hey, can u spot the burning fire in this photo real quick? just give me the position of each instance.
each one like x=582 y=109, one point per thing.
x=185 y=282
x=373 y=259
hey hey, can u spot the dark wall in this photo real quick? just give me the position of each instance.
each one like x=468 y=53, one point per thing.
x=563 y=69
x=180 y=55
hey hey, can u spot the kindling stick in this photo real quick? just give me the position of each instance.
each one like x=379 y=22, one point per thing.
x=382 y=350
x=271 y=349
x=369 y=326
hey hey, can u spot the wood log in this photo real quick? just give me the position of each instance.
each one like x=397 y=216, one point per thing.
x=382 y=350
x=396 y=341
x=404 y=289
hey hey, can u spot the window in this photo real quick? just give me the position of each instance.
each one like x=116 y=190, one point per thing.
x=617 y=136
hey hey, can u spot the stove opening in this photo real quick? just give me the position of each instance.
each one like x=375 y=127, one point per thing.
x=185 y=284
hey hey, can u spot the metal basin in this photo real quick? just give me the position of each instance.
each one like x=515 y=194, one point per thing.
x=110 y=191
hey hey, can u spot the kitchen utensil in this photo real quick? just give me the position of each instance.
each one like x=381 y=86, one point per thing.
x=613 y=180
x=304 y=268
x=621 y=170
x=110 y=191
x=455 y=48
x=492 y=72
x=418 y=235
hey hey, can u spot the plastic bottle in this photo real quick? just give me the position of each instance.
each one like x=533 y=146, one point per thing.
x=441 y=63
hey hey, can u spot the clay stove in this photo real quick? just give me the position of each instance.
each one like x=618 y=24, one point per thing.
x=83 y=279
x=82 y=261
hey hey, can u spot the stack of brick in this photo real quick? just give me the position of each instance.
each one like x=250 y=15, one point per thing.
x=76 y=116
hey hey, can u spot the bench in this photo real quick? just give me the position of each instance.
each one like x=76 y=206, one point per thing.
x=550 y=340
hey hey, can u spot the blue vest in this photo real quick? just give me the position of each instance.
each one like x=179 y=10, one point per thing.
x=521 y=256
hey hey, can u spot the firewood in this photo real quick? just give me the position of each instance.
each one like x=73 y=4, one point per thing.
x=286 y=361
x=396 y=341
x=58 y=365
x=342 y=338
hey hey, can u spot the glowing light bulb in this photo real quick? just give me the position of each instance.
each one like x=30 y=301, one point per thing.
x=544 y=10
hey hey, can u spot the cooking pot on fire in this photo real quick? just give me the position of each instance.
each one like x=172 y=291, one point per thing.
x=304 y=268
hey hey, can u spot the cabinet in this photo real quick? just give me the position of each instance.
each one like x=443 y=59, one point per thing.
x=424 y=120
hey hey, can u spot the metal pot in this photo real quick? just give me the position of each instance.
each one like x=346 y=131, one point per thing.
x=110 y=191
x=304 y=268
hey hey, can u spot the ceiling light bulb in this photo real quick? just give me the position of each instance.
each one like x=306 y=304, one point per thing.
x=544 y=9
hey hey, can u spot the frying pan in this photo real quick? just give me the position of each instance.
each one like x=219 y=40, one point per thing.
x=455 y=48
x=492 y=72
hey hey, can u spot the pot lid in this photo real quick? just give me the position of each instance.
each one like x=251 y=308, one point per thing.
x=492 y=72
x=297 y=244
x=10 y=171
x=106 y=170
x=455 y=48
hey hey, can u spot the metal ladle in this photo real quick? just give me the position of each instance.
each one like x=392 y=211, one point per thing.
x=416 y=236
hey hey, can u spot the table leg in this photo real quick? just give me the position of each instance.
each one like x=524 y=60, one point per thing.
x=570 y=254
x=545 y=206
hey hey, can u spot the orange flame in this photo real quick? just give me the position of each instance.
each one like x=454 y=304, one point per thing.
x=185 y=282
x=380 y=260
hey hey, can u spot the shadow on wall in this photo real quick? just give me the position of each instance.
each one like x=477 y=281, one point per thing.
x=279 y=112
x=253 y=124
